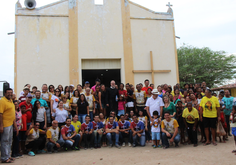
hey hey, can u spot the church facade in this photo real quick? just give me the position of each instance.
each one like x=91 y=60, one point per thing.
x=73 y=41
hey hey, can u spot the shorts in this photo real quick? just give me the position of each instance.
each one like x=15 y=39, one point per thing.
x=130 y=104
x=22 y=136
x=121 y=112
x=234 y=131
x=209 y=122
x=156 y=135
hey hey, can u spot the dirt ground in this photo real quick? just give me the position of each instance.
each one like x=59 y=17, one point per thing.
x=185 y=154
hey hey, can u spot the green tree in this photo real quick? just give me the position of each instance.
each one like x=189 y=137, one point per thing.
x=203 y=64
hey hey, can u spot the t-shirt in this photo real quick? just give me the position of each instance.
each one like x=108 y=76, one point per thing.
x=24 y=122
x=111 y=125
x=122 y=92
x=121 y=105
x=22 y=99
x=171 y=108
x=155 y=126
x=114 y=119
x=82 y=107
x=87 y=127
x=43 y=103
x=60 y=116
x=53 y=134
x=146 y=89
x=29 y=113
x=130 y=93
x=55 y=101
x=169 y=126
x=190 y=116
x=7 y=108
x=33 y=135
x=45 y=95
x=138 y=126
x=124 y=125
x=67 y=131
x=140 y=98
x=228 y=102
x=77 y=126
x=90 y=99
x=154 y=105
x=40 y=115
x=98 y=125
x=209 y=106
x=143 y=119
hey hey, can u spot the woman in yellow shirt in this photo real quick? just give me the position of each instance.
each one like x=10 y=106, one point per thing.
x=77 y=126
x=190 y=116
x=73 y=102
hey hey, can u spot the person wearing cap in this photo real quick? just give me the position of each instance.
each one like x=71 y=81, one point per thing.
x=71 y=88
x=23 y=97
x=29 y=108
x=86 y=85
x=22 y=92
x=154 y=103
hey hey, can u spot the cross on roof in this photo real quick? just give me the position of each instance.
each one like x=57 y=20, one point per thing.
x=169 y=5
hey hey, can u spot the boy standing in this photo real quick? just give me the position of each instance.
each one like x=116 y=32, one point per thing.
x=155 y=124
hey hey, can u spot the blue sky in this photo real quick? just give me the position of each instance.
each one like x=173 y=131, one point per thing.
x=200 y=23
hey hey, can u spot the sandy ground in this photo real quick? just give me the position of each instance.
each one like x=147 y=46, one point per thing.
x=185 y=154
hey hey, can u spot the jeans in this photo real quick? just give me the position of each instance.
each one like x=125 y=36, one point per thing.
x=97 y=138
x=51 y=145
x=165 y=139
x=192 y=134
x=123 y=135
x=88 y=139
x=112 y=136
x=82 y=117
x=15 y=144
x=6 y=141
x=68 y=143
x=141 y=140
x=37 y=144
x=91 y=115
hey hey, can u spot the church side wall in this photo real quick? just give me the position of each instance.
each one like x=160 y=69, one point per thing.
x=42 y=51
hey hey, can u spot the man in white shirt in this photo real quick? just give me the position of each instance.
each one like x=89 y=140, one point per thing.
x=154 y=103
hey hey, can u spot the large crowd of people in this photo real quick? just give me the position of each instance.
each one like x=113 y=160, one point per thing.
x=53 y=119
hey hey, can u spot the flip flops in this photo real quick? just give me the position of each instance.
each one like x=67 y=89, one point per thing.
x=205 y=144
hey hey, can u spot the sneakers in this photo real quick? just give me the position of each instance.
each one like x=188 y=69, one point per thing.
x=154 y=146
x=49 y=152
x=65 y=149
x=31 y=153
x=110 y=146
x=159 y=146
x=134 y=145
x=41 y=151
x=55 y=151
x=117 y=146
x=76 y=148
x=15 y=156
x=19 y=155
x=123 y=145
x=129 y=144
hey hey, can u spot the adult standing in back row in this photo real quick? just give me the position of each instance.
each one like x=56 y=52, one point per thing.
x=112 y=97
x=154 y=103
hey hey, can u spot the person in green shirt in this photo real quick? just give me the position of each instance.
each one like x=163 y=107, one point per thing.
x=168 y=107
x=228 y=102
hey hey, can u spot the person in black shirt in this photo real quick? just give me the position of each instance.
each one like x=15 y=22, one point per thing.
x=113 y=94
x=104 y=100
x=130 y=98
x=82 y=108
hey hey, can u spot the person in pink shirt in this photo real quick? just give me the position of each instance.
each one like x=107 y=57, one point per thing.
x=121 y=106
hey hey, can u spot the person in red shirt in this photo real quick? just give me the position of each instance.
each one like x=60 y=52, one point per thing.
x=22 y=135
x=29 y=108
x=146 y=86
x=122 y=91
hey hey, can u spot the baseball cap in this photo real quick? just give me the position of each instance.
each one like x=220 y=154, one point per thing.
x=87 y=82
x=29 y=95
x=71 y=85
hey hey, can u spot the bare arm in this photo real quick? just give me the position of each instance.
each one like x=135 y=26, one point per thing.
x=100 y=99
x=147 y=109
x=45 y=119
